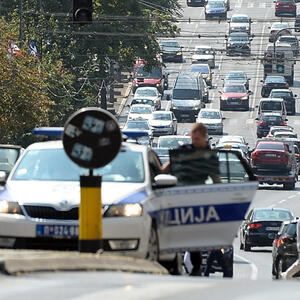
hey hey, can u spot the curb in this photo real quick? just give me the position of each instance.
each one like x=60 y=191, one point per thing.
x=53 y=261
x=126 y=95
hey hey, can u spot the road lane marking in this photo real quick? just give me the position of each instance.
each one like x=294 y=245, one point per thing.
x=216 y=83
x=254 y=270
x=281 y=201
x=292 y=196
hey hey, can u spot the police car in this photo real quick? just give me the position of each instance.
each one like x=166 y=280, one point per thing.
x=144 y=213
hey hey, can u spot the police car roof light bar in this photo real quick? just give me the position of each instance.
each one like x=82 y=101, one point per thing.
x=48 y=131
x=135 y=134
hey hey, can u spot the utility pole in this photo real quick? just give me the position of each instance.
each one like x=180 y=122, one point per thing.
x=40 y=52
x=21 y=23
x=112 y=85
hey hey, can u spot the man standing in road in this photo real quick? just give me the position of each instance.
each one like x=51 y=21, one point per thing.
x=295 y=267
x=199 y=142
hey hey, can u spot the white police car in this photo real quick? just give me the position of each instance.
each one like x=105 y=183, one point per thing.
x=39 y=205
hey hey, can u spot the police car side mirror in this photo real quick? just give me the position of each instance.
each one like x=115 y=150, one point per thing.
x=2 y=177
x=165 y=180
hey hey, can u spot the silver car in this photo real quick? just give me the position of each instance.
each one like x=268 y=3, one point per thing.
x=291 y=40
x=163 y=122
x=213 y=120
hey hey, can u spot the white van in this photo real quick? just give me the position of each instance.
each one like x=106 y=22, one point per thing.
x=272 y=105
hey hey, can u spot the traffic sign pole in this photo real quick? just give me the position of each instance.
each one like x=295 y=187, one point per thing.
x=90 y=214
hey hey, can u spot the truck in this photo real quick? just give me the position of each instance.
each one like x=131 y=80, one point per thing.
x=286 y=175
x=279 y=62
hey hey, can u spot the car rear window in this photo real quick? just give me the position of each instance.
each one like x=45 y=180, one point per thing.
x=281 y=94
x=274 y=119
x=271 y=105
x=275 y=79
x=272 y=215
x=271 y=146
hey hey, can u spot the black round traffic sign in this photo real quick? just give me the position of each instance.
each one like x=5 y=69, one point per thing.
x=92 y=137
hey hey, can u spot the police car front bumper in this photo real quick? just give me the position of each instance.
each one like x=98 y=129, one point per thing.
x=127 y=235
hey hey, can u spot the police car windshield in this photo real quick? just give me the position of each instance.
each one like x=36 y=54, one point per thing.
x=271 y=215
x=140 y=110
x=128 y=166
x=163 y=117
x=146 y=92
x=137 y=125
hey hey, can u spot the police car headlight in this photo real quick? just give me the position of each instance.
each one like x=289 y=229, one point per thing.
x=124 y=210
x=7 y=207
x=179 y=53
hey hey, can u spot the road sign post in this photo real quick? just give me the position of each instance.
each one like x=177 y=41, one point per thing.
x=91 y=139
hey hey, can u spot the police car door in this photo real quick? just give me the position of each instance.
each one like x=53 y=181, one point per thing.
x=205 y=216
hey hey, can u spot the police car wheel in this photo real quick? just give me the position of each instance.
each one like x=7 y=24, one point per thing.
x=153 y=254
x=175 y=267
x=241 y=246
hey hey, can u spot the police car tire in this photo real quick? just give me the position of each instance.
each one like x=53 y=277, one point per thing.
x=241 y=246
x=153 y=238
x=247 y=247
x=175 y=267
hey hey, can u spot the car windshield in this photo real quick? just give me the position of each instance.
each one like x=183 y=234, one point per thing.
x=275 y=79
x=236 y=75
x=143 y=73
x=234 y=89
x=285 y=135
x=270 y=146
x=271 y=105
x=201 y=69
x=287 y=39
x=170 y=44
x=142 y=101
x=238 y=38
x=164 y=117
x=140 y=110
x=8 y=158
x=239 y=19
x=271 y=215
x=281 y=94
x=173 y=142
x=186 y=94
x=128 y=166
x=137 y=125
x=146 y=92
x=209 y=115
x=215 y=4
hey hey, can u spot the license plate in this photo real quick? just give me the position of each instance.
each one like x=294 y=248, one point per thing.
x=185 y=115
x=234 y=102
x=272 y=228
x=267 y=178
x=57 y=230
x=270 y=155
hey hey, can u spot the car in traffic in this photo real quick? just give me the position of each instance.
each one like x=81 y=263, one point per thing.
x=140 y=111
x=212 y=119
x=284 y=251
x=204 y=54
x=205 y=70
x=155 y=77
x=260 y=226
x=238 y=43
x=196 y=2
x=234 y=96
x=271 y=154
x=163 y=122
x=215 y=9
x=266 y=121
x=142 y=100
x=240 y=23
x=274 y=105
x=237 y=77
x=285 y=8
x=173 y=141
x=274 y=129
x=273 y=82
x=150 y=93
x=278 y=26
x=171 y=51
x=137 y=126
x=289 y=99
x=285 y=135
x=291 y=40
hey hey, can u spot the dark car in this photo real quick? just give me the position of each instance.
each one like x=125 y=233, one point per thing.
x=171 y=51
x=288 y=97
x=273 y=82
x=297 y=23
x=9 y=154
x=260 y=226
x=285 y=8
x=237 y=77
x=266 y=120
x=284 y=252
x=238 y=43
x=196 y=2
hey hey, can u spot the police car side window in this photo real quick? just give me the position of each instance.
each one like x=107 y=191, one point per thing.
x=154 y=164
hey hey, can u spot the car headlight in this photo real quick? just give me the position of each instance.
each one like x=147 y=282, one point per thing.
x=197 y=107
x=157 y=84
x=174 y=107
x=223 y=98
x=207 y=78
x=7 y=207
x=124 y=210
x=244 y=98
x=179 y=53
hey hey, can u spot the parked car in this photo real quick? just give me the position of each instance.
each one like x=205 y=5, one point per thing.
x=213 y=120
x=140 y=111
x=163 y=122
x=291 y=40
x=260 y=226
x=205 y=70
x=284 y=30
x=266 y=120
x=234 y=95
x=288 y=97
x=171 y=51
x=284 y=251
x=240 y=23
x=204 y=54
x=285 y=8
x=150 y=93
x=215 y=9
x=273 y=82
x=237 y=77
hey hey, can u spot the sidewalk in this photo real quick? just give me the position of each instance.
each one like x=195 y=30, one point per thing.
x=22 y=261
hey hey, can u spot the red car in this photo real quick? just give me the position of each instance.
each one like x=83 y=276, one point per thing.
x=285 y=8
x=154 y=78
x=234 y=95
x=270 y=155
